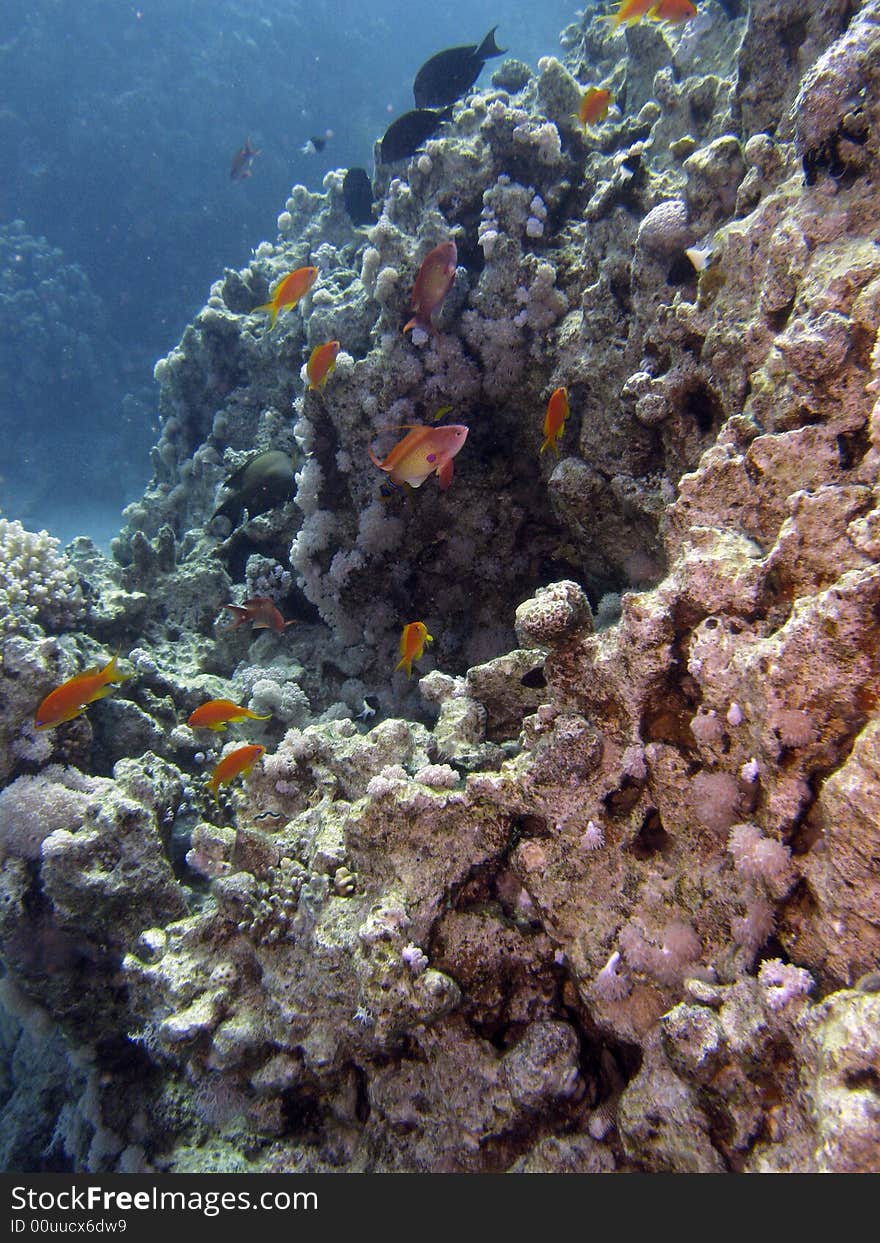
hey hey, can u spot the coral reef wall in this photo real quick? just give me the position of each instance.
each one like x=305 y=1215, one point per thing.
x=599 y=890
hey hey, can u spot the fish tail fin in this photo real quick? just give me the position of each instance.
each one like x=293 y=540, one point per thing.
x=112 y=673
x=413 y=323
x=405 y=662
x=272 y=310
x=373 y=458
x=255 y=716
x=489 y=47
x=616 y=18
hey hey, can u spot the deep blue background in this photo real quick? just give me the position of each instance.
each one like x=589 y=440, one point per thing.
x=118 y=122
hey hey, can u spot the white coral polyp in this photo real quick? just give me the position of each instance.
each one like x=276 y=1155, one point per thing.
x=36 y=584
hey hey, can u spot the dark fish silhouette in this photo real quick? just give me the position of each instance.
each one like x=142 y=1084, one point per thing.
x=242 y=161
x=262 y=483
x=404 y=136
x=446 y=76
x=313 y=146
x=358 y=196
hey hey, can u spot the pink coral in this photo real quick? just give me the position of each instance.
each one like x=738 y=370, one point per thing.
x=761 y=858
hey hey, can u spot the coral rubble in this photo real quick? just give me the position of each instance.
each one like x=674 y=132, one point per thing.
x=599 y=891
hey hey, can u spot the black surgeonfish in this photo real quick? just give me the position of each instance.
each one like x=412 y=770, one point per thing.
x=262 y=483
x=446 y=76
x=357 y=194
x=404 y=136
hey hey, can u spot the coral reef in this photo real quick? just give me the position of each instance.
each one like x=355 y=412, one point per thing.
x=599 y=890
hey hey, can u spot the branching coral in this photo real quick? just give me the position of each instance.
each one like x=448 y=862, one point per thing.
x=36 y=583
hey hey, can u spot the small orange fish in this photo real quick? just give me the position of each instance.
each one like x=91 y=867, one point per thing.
x=70 y=698
x=288 y=292
x=237 y=763
x=216 y=714
x=242 y=161
x=261 y=611
x=423 y=451
x=673 y=11
x=630 y=11
x=554 y=420
x=412 y=645
x=322 y=361
x=432 y=285
x=594 y=106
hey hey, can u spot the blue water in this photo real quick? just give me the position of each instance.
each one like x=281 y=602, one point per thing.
x=118 y=122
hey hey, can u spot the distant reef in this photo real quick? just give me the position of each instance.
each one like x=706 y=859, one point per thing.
x=596 y=890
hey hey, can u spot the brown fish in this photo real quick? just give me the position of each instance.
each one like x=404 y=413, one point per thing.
x=240 y=168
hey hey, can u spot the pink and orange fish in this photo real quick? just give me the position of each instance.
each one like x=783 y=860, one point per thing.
x=594 y=106
x=237 y=763
x=629 y=12
x=433 y=283
x=632 y=11
x=240 y=169
x=322 y=361
x=288 y=291
x=216 y=714
x=554 y=419
x=412 y=645
x=673 y=11
x=70 y=698
x=423 y=451
x=261 y=612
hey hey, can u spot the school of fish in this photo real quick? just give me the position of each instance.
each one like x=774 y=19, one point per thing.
x=426 y=449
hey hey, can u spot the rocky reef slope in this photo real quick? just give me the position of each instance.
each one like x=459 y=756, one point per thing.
x=602 y=892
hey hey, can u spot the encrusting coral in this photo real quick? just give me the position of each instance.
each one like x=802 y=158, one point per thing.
x=607 y=899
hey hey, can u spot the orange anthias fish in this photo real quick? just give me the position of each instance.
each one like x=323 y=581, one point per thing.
x=423 y=451
x=674 y=11
x=240 y=168
x=630 y=11
x=216 y=714
x=288 y=292
x=594 y=106
x=554 y=420
x=412 y=645
x=432 y=285
x=322 y=361
x=261 y=611
x=68 y=700
x=237 y=763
